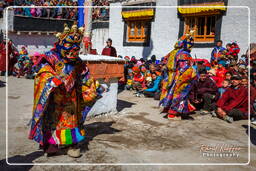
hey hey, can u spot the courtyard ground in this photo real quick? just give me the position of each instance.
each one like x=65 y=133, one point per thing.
x=137 y=133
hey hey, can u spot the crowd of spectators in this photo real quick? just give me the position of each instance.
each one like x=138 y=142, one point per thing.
x=65 y=13
x=221 y=87
x=3 y=4
x=100 y=13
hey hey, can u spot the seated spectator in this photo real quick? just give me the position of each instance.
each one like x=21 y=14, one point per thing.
x=203 y=93
x=233 y=105
x=155 y=90
x=23 y=51
x=33 y=11
x=200 y=66
x=134 y=60
x=212 y=75
x=138 y=80
x=233 y=51
x=228 y=76
x=129 y=81
x=243 y=71
x=234 y=70
x=147 y=76
x=244 y=81
x=153 y=69
x=220 y=73
x=225 y=85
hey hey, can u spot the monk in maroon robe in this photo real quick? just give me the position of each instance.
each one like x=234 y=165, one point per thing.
x=109 y=50
x=11 y=56
x=233 y=105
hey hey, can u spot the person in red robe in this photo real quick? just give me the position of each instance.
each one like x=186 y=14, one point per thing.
x=109 y=50
x=11 y=56
x=233 y=105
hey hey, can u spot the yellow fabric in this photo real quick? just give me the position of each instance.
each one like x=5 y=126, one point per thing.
x=138 y=13
x=171 y=72
x=63 y=137
x=209 y=8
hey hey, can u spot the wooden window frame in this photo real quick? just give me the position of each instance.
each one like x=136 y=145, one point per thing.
x=137 y=37
x=200 y=38
x=138 y=40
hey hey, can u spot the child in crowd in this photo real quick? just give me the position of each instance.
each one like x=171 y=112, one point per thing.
x=129 y=79
x=147 y=76
x=138 y=80
x=23 y=51
x=225 y=85
x=220 y=73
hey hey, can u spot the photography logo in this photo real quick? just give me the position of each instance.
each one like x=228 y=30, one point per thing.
x=220 y=150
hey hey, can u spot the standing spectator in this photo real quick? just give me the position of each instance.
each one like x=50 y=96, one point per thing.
x=217 y=52
x=109 y=50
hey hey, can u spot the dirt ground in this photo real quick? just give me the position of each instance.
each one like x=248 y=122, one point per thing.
x=136 y=134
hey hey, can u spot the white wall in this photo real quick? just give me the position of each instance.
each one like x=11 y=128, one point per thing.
x=99 y=37
x=165 y=29
x=164 y=32
x=235 y=27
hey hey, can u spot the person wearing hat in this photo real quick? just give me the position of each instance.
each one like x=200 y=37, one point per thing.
x=203 y=93
x=233 y=105
x=109 y=50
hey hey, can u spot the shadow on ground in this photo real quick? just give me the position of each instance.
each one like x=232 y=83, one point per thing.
x=252 y=133
x=2 y=84
x=121 y=104
x=94 y=129
x=29 y=158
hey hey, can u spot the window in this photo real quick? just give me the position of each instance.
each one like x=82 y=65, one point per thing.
x=137 y=31
x=137 y=26
x=204 y=27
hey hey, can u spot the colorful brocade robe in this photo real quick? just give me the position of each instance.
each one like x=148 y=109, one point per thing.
x=177 y=84
x=63 y=95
